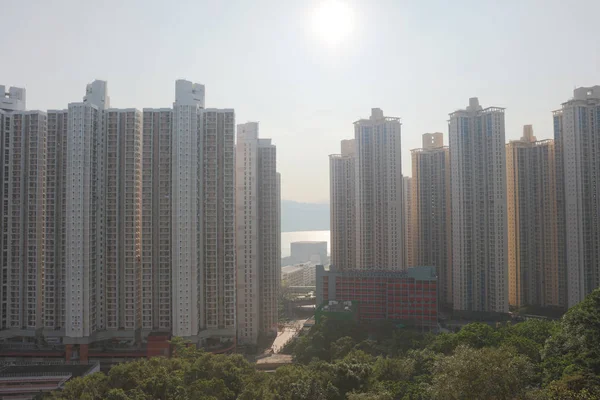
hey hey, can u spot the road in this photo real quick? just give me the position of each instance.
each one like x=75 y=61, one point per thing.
x=288 y=332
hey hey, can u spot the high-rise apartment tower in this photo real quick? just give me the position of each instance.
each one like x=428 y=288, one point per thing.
x=533 y=270
x=431 y=211
x=156 y=219
x=257 y=235
x=378 y=187
x=577 y=140
x=342 y=191
x=479 y=221
x=23 y=136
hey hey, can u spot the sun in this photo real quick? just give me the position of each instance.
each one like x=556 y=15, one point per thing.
x=333 y=21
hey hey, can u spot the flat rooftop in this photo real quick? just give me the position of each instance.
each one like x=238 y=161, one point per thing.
x=31 y=369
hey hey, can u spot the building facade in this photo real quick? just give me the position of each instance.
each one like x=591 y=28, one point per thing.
x=24 y=141
x=118 y=223
x=431 y=211
x=186 y=212
x=305 y=251
x=156 y=219
x=577 y=139
x=407 y=201
x=85 y=218
x=123 y=213
x=408 y=296
x=342 y=195
x=258 y=230
x=479 y=220
x=217 y=261
x=299 y=275
x=56 y=211
x=533 y=269
x=378 y=187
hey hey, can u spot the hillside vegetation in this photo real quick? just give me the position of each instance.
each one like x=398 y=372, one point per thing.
x=532 y=360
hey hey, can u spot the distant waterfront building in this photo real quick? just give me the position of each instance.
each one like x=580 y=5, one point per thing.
x=299 y=275
x=313 y=251
x=577 y=140
x=408 y=297
x=535 y=277
x=258 y=234
x=379 y=208
x=479 y=220
x=431 y=211
x=342 y=192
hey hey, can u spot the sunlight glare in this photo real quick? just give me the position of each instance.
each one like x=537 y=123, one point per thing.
x=333 y=21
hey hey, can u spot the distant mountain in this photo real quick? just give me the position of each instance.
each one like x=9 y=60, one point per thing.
x=304 y=216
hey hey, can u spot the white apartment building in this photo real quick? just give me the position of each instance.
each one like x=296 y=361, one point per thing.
x=85 y=216
x=217 y=259
x=23 y=137
x=156 y=219
x=258 y=230
x=56 y=210
x=577 y=141
x=431 y=211
x=342 y=199
x=479 y=220
x=187 y=208
x=123 y=213
x=117 y=222
x=535 y=277
x=407 y=202
x=202 y=212
x=379 y=208
x=299 y=275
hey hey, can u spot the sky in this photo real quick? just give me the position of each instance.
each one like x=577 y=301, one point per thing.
x=419 y=60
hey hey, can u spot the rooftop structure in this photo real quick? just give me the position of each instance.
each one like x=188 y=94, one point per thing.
x=12 y=100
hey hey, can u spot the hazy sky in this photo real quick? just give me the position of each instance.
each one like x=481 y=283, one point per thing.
x=418 y=60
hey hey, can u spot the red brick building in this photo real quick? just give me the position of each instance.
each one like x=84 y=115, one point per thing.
x=409 y=297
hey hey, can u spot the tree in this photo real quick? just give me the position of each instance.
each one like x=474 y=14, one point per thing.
x=575 y=342
x=477 y=335
x=487 y=373
x=524 y=346
x=211 y=389
x=358 y=357
x=536 y=330
x=341 y=347
x=91 y=387
x=570 y=387
x=393 y=369
x=370 y=396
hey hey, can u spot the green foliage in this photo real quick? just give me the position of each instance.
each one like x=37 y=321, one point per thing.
x=344 y=360
x=576 y=340
x=370 y=396
x=485 y=373
x=90 y=387
x=341 y=347
x=394 y=369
